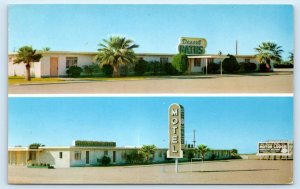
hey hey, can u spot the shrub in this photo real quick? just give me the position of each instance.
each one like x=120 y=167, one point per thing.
x=212 y=68
x=284 y=65
x=134 y=157
x=248 y=67
x=90 y=69
x=169 y=69
x=107 y=70
x=230 y=65
x=105 y=160
x=263 y=67
x=141 y=67
x=156 y=68
x=74 y=71
x=180 y=62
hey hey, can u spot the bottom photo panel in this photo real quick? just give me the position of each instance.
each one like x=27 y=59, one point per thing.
x=150 y=140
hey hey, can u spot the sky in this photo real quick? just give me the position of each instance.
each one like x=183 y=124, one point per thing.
x=220 y=122
x=155 y=28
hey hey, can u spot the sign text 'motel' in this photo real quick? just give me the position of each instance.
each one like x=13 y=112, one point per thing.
x=192 y=46
x=176 y=131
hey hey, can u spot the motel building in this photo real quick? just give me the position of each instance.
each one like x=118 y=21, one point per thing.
x=80 y=156
x=55 y=63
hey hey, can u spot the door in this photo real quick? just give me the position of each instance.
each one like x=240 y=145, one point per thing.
x=114 y=156
x=87 y=157
x=53 y=66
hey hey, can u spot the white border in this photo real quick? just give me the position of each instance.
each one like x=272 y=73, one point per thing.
x=156 y=95
x=3 y=85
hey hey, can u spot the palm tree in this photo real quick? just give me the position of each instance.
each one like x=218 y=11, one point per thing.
x=147 y=150
x=115 y=51
x=291 y=57
x=46 y=49
x=27 y=55
x=268 y=51
x=202 y=150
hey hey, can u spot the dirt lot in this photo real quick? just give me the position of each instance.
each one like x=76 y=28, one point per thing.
x=276 y=82
x=213 y=172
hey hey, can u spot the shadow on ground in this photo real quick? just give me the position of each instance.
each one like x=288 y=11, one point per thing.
x=221 y=171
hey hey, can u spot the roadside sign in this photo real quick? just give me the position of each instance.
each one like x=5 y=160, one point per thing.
x=176 y=131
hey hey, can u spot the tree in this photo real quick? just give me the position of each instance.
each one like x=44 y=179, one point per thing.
x=202 y=150
x=291 y=57
x=230 y=64
x=180 y=62
x=115 y=51
x=147 y=150
x=27 y=55
x=46 y=49
x=267 y=52
x=35 y=145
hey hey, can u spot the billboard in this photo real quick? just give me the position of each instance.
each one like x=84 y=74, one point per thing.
x=192 y=46
x=176 y=131
x=274 y=148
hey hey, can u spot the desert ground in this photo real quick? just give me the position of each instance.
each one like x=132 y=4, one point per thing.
x=210 y=172
x=275 y=82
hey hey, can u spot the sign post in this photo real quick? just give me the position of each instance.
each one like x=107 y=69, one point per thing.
x=176 y=133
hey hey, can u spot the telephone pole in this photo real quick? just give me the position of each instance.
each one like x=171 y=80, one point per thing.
x=194 y=141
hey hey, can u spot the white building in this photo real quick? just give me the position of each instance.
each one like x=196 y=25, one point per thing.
x=55 y=63
x=74 y=156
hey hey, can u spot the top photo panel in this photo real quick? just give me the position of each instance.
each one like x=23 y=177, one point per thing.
x=150 y=49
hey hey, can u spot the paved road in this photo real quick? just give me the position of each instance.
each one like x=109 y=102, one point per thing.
x=281 y=82
x=211 y=172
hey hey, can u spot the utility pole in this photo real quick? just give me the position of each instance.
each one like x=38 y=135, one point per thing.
x=236 y=47
x=194 y=141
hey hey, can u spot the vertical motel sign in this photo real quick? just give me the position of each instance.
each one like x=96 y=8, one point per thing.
x=176 y=131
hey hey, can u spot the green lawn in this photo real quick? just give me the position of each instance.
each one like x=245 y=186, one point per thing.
x=21 y=80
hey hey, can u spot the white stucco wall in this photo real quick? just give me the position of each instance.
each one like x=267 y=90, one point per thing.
x=81 y=61
x=20 y=69
x=52 y=157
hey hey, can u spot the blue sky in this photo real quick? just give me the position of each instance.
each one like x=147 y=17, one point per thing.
x=220 y=122
x=156 y=28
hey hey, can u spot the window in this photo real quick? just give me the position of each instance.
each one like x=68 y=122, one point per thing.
x=71 y=61
x=77 y=155
x=105 y=153
x=163 y=60
x=32 y=155
x=60 y=155
x=247 y=60
x=210 y=60
x=197 y=62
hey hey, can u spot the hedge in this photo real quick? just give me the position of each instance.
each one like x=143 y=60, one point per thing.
x=94 y=143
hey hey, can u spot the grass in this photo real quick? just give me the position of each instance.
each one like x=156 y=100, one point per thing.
x=15 y=80
x=21 y=80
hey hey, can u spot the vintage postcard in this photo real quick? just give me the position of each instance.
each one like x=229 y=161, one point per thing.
x=150 y=94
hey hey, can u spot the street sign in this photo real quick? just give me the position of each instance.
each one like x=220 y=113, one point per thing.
x=176 y=131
